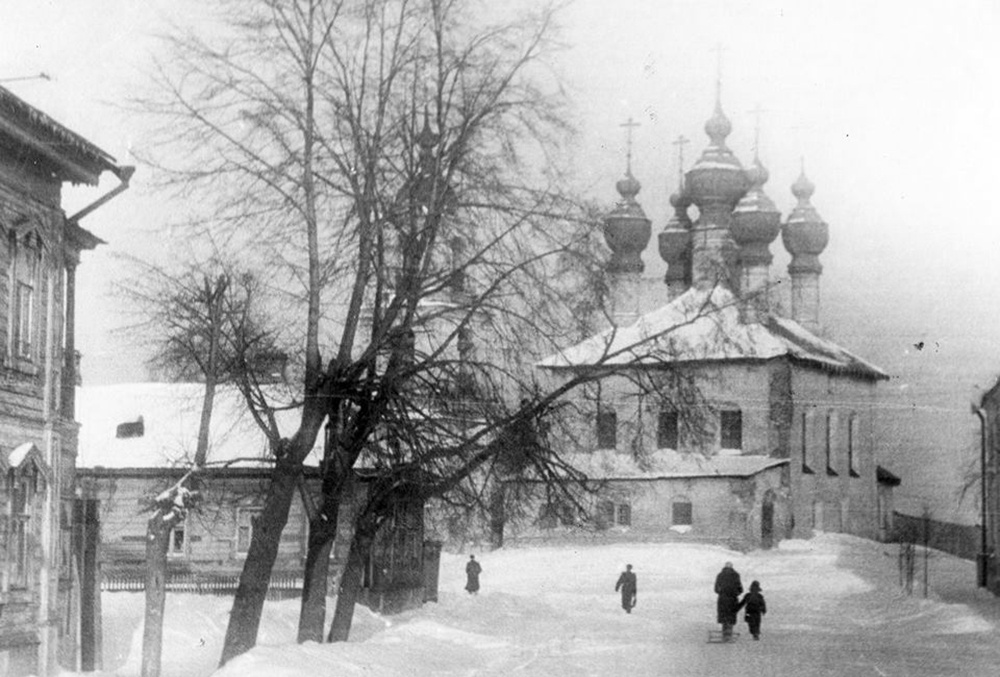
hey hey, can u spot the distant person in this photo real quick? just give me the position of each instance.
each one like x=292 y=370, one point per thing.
x=627 y=584
x=729 y=588
x=753 y=603
x=472 y=571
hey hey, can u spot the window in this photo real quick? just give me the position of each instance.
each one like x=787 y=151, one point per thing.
x=682 y=513
x=731 y=429
x=605 y=514
x=607 y=429
x=23 y=487
x=177 y=540
x=246 y=520
x=25 y=257
x=852 y=441
x=666 y=430
x=624 y=515
x=831 y=429
x=805 y=444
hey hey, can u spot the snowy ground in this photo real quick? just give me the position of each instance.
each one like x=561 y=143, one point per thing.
x=834 y=608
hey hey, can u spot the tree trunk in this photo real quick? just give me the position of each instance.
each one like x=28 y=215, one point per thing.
x=312 y=614
x=244 y=619
x=350 y=584
x=158 y=530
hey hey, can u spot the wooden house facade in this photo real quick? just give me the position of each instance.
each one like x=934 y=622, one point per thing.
x=39 y=251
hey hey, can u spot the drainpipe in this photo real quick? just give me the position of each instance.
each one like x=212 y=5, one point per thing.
x=983 y=558
x=69 y=368
x=124 y=174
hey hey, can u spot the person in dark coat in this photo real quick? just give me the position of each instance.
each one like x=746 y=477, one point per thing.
x=728 y=587
x=755 y=607
x=472 y=571
x=627 y=584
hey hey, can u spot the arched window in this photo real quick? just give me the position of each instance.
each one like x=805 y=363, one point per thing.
x=804 y=432
x=25 y=268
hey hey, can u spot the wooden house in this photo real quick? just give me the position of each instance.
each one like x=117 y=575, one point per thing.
x=39 y=251
x=138 y=439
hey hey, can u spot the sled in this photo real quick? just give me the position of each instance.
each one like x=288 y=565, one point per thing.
x=715 y=637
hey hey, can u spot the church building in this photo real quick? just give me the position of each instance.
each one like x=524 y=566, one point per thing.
x=712 y=418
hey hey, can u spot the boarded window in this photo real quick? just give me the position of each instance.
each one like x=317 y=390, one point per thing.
x=682 y=513
x=607 y=429
x=731 y=427
x=666 y=430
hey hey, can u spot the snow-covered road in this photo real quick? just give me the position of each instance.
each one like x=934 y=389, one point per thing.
x=835 y=607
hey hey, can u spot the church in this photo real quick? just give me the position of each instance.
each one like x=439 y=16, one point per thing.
x=713 y=418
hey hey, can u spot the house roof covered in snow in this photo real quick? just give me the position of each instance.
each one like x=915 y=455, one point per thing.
x=704 y=325
x=155 y=425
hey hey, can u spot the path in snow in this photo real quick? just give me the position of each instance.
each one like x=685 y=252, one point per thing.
x=834 y=608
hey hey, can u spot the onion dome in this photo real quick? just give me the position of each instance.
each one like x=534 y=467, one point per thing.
x=420 y=187
x=717 y=178
x=756 y=221
x=805 y=234
x=675 y=240
x=626 y=228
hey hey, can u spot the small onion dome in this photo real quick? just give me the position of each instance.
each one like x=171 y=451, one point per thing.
x=419 y=189
x=626 y=229
x=717 y=177
x=756 y=221
x=675 y=249
x=805 y=234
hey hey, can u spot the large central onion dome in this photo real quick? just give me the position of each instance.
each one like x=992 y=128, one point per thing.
x=717 y=179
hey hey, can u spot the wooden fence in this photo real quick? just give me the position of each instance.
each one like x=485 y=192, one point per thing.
x=282 y=586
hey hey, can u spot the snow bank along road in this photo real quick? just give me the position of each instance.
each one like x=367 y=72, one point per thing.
x=835 y=607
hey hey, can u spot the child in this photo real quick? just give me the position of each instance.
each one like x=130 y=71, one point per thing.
x=753 y=601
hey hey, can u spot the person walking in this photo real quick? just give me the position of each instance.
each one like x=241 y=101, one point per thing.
x=753 y=603
x=728 y=587
x=472 y=571
x=627 y=584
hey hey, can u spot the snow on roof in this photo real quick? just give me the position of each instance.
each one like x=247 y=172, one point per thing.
x=167 y=434
x=703 y=325
x=667 y=464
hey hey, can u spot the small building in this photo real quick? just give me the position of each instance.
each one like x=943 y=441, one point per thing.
x=712 y=416
x=40 y=249
x=138 y=439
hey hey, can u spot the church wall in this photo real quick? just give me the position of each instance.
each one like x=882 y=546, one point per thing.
x=832 y=493
x=723 y=510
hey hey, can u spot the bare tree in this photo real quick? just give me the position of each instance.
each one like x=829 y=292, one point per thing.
x=201 y=325
x=393 y=164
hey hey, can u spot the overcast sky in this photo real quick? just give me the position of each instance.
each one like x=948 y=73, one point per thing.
x=894 y=107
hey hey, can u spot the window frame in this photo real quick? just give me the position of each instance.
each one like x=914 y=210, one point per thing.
x=667 y=429
x=607 y=428
x=679 y=505
x=726 y=429
x=253 y=514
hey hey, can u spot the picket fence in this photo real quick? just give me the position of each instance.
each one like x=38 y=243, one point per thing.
x=282 y=586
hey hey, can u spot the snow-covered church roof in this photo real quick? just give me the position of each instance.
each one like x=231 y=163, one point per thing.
x=704 y=325
x=155 y=425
